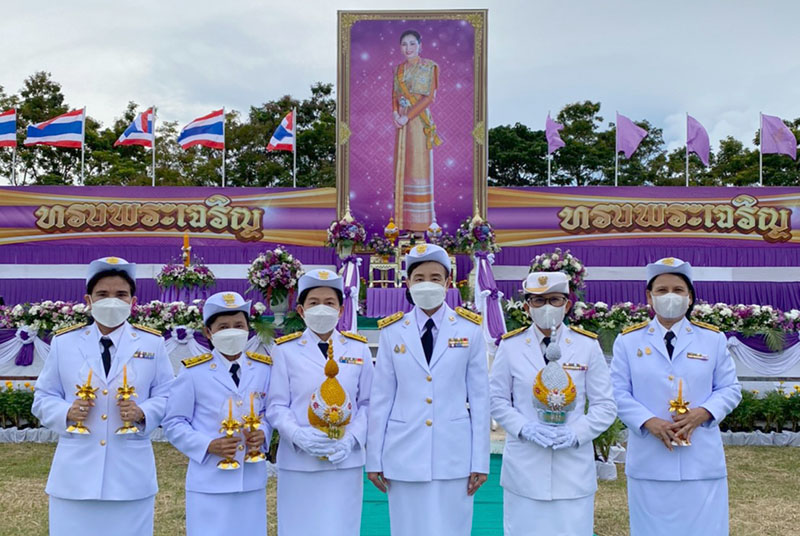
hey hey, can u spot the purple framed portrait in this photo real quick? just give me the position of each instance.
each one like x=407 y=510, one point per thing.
x=411 y=118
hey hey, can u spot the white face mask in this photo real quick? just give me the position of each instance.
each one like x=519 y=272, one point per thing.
x=321 y=319
x=547 y=316
x=427 y=295
x=110 y=312
x=671 y=306
x=230 y=341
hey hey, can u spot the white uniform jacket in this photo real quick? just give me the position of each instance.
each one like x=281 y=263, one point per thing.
x=430 y=422
x=198 y=401
x=102 y=465
x=645 y=380
x=528 y=469
x=298 y=371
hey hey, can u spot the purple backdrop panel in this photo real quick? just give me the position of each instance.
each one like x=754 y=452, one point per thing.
x=374 y=57
x=386 y=301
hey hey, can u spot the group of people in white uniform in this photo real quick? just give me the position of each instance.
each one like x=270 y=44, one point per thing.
x=418 y=422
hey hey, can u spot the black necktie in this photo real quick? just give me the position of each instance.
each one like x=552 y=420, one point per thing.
x=323 y=347
x=235 y=373
x=546 y=341
x=668 y=338
x=107 y=343
x=427 y=339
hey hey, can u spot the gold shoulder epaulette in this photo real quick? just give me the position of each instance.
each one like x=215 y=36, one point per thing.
x=69 y=328
x=582 y=331
x=634 y=327
x=712 y=327
x=197 y=360
x=469 y=315
x=261 y=358
x=289 y=337
x=354 y=336
x=383 y=322
x=510 y=334
x=148 y=329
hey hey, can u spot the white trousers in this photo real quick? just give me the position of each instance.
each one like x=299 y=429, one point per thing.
x=566 y=517
x=222 y=514
x=320 y=503
x=684 y=508
x=100 y=518
x=435 y=508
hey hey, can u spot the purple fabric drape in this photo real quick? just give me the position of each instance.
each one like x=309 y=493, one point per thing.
x=181 y=334
x=25 y=356
x=759 y=344
x=186 y=295
x=351 y=285
x=494 y=311
x=386 y=301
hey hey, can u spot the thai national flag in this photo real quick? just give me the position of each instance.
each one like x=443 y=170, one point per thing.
x=208 y=131
x=66 y=130
x=8 y=128
x=283 y=139
x=140 y=132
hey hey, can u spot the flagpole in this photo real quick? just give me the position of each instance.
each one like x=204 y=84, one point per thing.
x=616 y=151
x=760 y=149
x=549 y=158
x=687 y=149
x=154 y=145
x=223 y=147
x=294 y=148
x=616 y=168
x=83 y=142
x=14 y=164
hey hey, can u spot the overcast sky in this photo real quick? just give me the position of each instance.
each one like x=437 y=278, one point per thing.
x=722 y=61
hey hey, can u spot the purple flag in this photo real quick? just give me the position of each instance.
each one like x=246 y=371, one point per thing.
x=629 y=136
x=776 y=138
x=554 y=141
x=697 y=139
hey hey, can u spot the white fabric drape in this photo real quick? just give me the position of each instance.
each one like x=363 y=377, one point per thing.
x=768 y=364
x=10 y=349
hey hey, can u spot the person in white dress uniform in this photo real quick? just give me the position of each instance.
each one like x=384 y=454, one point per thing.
x=101 y=481
x=677 y=480
x=548 y=475
x=320 y=474
x=428 y=441
x=209 y=388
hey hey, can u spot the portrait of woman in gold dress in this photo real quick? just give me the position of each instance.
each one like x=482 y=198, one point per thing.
x=413 y=91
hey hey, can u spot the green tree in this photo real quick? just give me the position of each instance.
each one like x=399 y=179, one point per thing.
x=517 y=156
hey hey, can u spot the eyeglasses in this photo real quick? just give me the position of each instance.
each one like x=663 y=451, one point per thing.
x=539 y=301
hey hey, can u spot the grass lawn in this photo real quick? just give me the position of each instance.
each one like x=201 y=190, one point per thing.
x=764 y=492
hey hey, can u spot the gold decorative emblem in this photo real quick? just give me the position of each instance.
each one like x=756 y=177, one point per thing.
x=230 y=300
x=323 y=274
x=669 y=261
x=648 y=351
x=639 y=352
x=112 y=260
x=422 y=248
x=542 y=280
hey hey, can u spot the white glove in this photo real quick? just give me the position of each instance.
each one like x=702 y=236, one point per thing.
x=313 y=441
x=343 y=447
x=566 y=438
x=542 y=434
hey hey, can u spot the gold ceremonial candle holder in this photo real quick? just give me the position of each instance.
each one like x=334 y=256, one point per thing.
x=253 y=423
x=679 y=406
x=126 y=392
x=230 y=426
x=84 y=392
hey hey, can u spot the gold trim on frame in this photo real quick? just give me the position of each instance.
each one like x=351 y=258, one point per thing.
x=475 y=17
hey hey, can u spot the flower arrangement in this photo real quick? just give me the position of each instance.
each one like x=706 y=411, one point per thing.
x=476 y=234
x=43 y=316
x=164 y=315
x=274 y=274
x=346 y=233
x=608 y=321
x=446 y=241
x=380 y=245
x=178 y=275
x=562 y=261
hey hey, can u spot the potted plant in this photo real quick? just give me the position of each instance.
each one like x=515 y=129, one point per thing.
x=274 y=274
